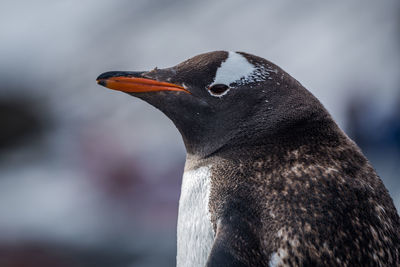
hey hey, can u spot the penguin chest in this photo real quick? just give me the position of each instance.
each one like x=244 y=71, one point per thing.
x=195 y=232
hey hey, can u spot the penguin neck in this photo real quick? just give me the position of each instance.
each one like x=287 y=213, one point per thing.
x=310 y=124
x=199 y=146
x=315 y=133
x=282 y=149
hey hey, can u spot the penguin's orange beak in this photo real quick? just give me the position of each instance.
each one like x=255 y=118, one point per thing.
x=130 y=84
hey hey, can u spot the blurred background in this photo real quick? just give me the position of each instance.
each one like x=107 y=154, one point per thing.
x=91 y=177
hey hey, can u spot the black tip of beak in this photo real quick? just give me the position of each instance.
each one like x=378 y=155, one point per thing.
x=110 y=74
x=101 y=82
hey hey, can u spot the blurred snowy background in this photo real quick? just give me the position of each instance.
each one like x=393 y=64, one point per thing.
x=91 y=177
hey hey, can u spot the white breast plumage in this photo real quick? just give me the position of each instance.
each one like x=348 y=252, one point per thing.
x=195 y=232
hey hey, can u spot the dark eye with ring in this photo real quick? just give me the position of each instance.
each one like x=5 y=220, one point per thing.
x=218 y=89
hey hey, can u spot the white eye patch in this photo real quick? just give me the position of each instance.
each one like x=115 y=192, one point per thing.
x=236 y=69
x=233 y=69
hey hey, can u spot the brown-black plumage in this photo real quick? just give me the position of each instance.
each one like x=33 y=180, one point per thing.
x=288 y=187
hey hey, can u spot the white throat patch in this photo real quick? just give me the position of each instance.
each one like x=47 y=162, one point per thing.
x=195 y=232
x=237 y=70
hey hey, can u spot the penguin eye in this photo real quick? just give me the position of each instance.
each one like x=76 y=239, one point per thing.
x=218 y=89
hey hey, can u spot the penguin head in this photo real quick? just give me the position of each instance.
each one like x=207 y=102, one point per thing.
x=221 y=99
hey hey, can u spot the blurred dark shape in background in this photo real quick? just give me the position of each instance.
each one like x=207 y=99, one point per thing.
x=377 y=132
x=91 y=177
x=21 y=121
x=371 y=129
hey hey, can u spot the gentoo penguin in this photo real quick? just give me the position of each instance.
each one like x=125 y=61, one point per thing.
x=269 y=179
